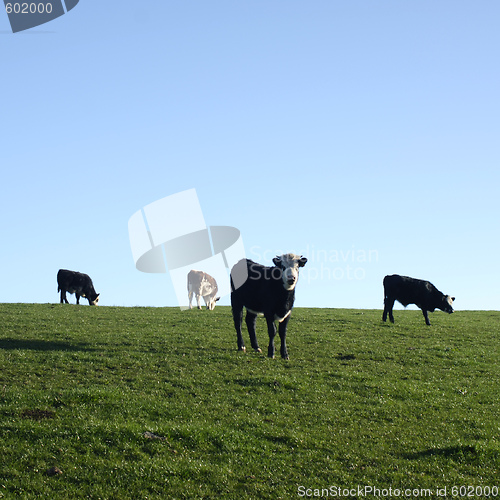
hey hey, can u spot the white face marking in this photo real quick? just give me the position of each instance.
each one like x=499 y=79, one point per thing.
x=447 y=306
x=211 y=301
x=289 y=264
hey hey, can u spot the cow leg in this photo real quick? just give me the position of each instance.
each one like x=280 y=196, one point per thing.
x=198 y=299
x=282 y=332
x=238 y=320
x=77 y=298
x=190 y=295
x=426 y=316
x=251 y=320
x=271 y=329
x=63 y=297
x=388 y=305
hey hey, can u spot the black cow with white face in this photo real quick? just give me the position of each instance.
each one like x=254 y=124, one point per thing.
x=265 y=290
x=414 y=291
x=78 y=283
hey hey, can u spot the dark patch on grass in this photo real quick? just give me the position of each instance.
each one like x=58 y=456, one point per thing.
x=281 y=440
x=41 y=345
x=53 y=471
x=37 y=414
x=457 y=453
x=252 y=382
x=346 y=357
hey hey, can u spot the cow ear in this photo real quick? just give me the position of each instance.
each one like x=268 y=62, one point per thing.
x=277 y=261
x=302 y=262
x=453 y=299
x=217 y=299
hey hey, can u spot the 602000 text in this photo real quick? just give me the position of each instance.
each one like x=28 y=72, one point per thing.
x=28 y=8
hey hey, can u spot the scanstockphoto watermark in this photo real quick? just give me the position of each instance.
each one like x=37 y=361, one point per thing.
x=326 y=264
x=364 y=491
x=390 y=492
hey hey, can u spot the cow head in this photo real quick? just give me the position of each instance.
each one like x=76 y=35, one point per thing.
x=289 y=264
x=447 y=304
x=211 y=302
x=94 y=301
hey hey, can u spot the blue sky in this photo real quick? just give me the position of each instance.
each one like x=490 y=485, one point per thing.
x=362 y=134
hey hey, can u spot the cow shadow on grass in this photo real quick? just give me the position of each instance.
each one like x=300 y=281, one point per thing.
x=41 y=345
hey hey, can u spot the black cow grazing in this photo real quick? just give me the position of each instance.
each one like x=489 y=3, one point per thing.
x=265 y=290
x=200 y=285
x=78 y=283
x=413 y=291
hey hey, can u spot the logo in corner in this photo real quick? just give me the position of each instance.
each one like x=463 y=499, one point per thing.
x=24 y=15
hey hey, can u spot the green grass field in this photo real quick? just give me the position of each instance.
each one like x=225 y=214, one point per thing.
x=143 y=403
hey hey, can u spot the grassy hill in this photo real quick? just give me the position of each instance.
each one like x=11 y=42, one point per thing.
x=136 y=403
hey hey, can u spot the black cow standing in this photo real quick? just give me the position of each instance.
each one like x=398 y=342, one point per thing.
x=78 y=283
x=414 y=291
x=265 y=290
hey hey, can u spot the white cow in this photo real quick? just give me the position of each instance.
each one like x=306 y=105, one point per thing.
x=202 y=285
